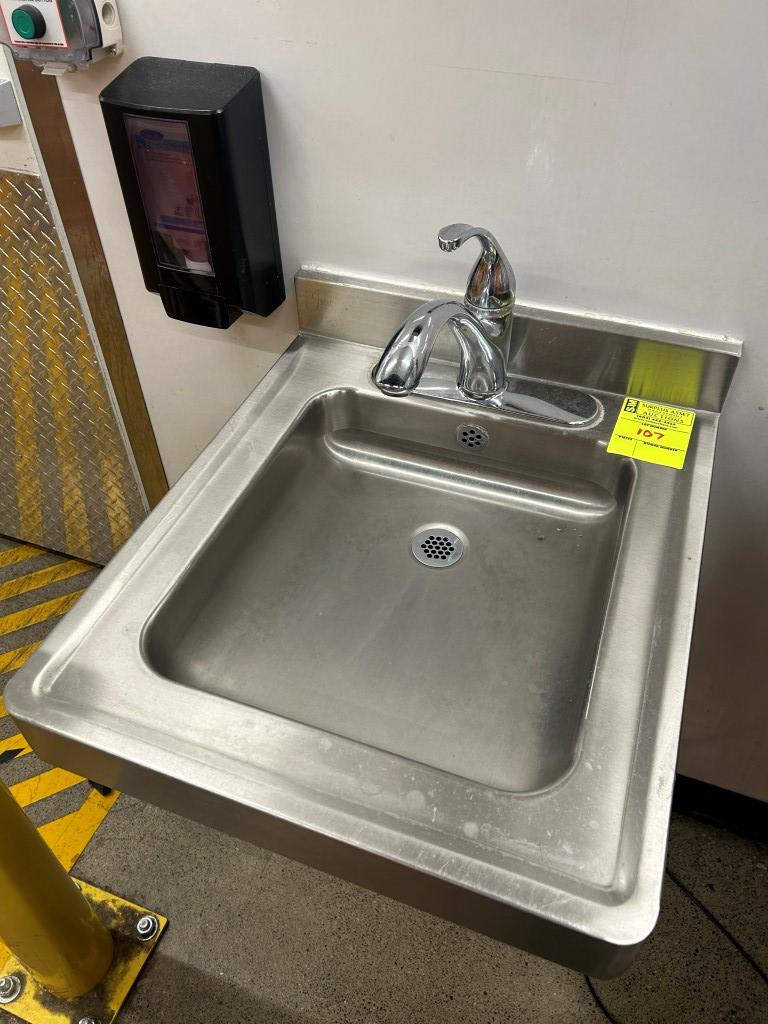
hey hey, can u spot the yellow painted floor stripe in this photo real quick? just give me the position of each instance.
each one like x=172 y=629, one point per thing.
x=3 y=711
x=16 y=742
x=42 y=578
x=10 y=556
x=12 y=660
x=69 y=836
x=41 y=786
x=38 y=613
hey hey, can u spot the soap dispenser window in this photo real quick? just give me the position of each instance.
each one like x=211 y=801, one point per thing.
x=165 y=167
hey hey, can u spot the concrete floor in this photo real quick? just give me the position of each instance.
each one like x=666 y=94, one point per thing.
x=256 y=938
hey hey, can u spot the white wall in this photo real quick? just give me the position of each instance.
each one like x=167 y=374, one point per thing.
x=16 y=152
x=617 y=149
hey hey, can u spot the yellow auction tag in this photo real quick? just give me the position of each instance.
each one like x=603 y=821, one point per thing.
x=652 y=432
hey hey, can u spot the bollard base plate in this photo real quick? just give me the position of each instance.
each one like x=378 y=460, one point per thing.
x=37 y=1005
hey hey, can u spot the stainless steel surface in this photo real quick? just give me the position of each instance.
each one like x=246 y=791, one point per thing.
x=10 y=116
x=472 y=436
x=66 y=480
x=578 y=350
x=495 y=743
x=543 y=514
x=147 y=927
x=723 y=728
x=10 y=988
x=550 y=402
x=438 y=546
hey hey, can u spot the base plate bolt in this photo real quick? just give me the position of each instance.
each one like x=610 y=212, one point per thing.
x=10 y=988
x=87 y=1020
x=147 y=927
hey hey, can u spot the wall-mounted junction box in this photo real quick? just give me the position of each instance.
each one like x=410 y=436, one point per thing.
x=61 y=35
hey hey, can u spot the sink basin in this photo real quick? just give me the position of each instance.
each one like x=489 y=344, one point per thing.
x=432 y=648
x=481 y=668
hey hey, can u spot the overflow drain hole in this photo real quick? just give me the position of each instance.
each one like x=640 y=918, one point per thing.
x=437 y=547
x=472 y=436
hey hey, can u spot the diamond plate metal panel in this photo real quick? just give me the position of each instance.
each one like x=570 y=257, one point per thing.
x=66 y=481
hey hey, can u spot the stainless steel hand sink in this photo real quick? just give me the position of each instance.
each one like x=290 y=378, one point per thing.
x=437 y=650
x=310 y=603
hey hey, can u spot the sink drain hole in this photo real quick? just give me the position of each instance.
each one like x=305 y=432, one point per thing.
x=471 y=436
x=437 y=547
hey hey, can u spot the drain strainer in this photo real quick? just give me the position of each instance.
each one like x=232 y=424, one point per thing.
x=472 y=436
x=437 y=547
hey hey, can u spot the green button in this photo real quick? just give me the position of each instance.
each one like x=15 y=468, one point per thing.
x=28 y=22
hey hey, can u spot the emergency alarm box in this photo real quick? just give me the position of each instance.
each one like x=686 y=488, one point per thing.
x=61 y=35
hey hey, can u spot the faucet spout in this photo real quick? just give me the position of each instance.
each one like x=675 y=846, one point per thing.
x=482 y=369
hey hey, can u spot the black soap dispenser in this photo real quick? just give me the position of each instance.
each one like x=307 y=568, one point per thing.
x=190 y=143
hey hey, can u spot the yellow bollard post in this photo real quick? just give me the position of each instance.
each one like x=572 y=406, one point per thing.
x=45 y=921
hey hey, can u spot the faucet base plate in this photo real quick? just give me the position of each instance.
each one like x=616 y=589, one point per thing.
x=534 y=399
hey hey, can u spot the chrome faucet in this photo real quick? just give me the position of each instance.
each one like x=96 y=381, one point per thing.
x=482 y=326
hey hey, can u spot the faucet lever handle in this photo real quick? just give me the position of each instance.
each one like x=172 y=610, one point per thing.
x=491 y=285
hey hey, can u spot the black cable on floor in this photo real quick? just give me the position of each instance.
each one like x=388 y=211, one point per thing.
x=599 y=1002
x=744 y=953
x=720 y=926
